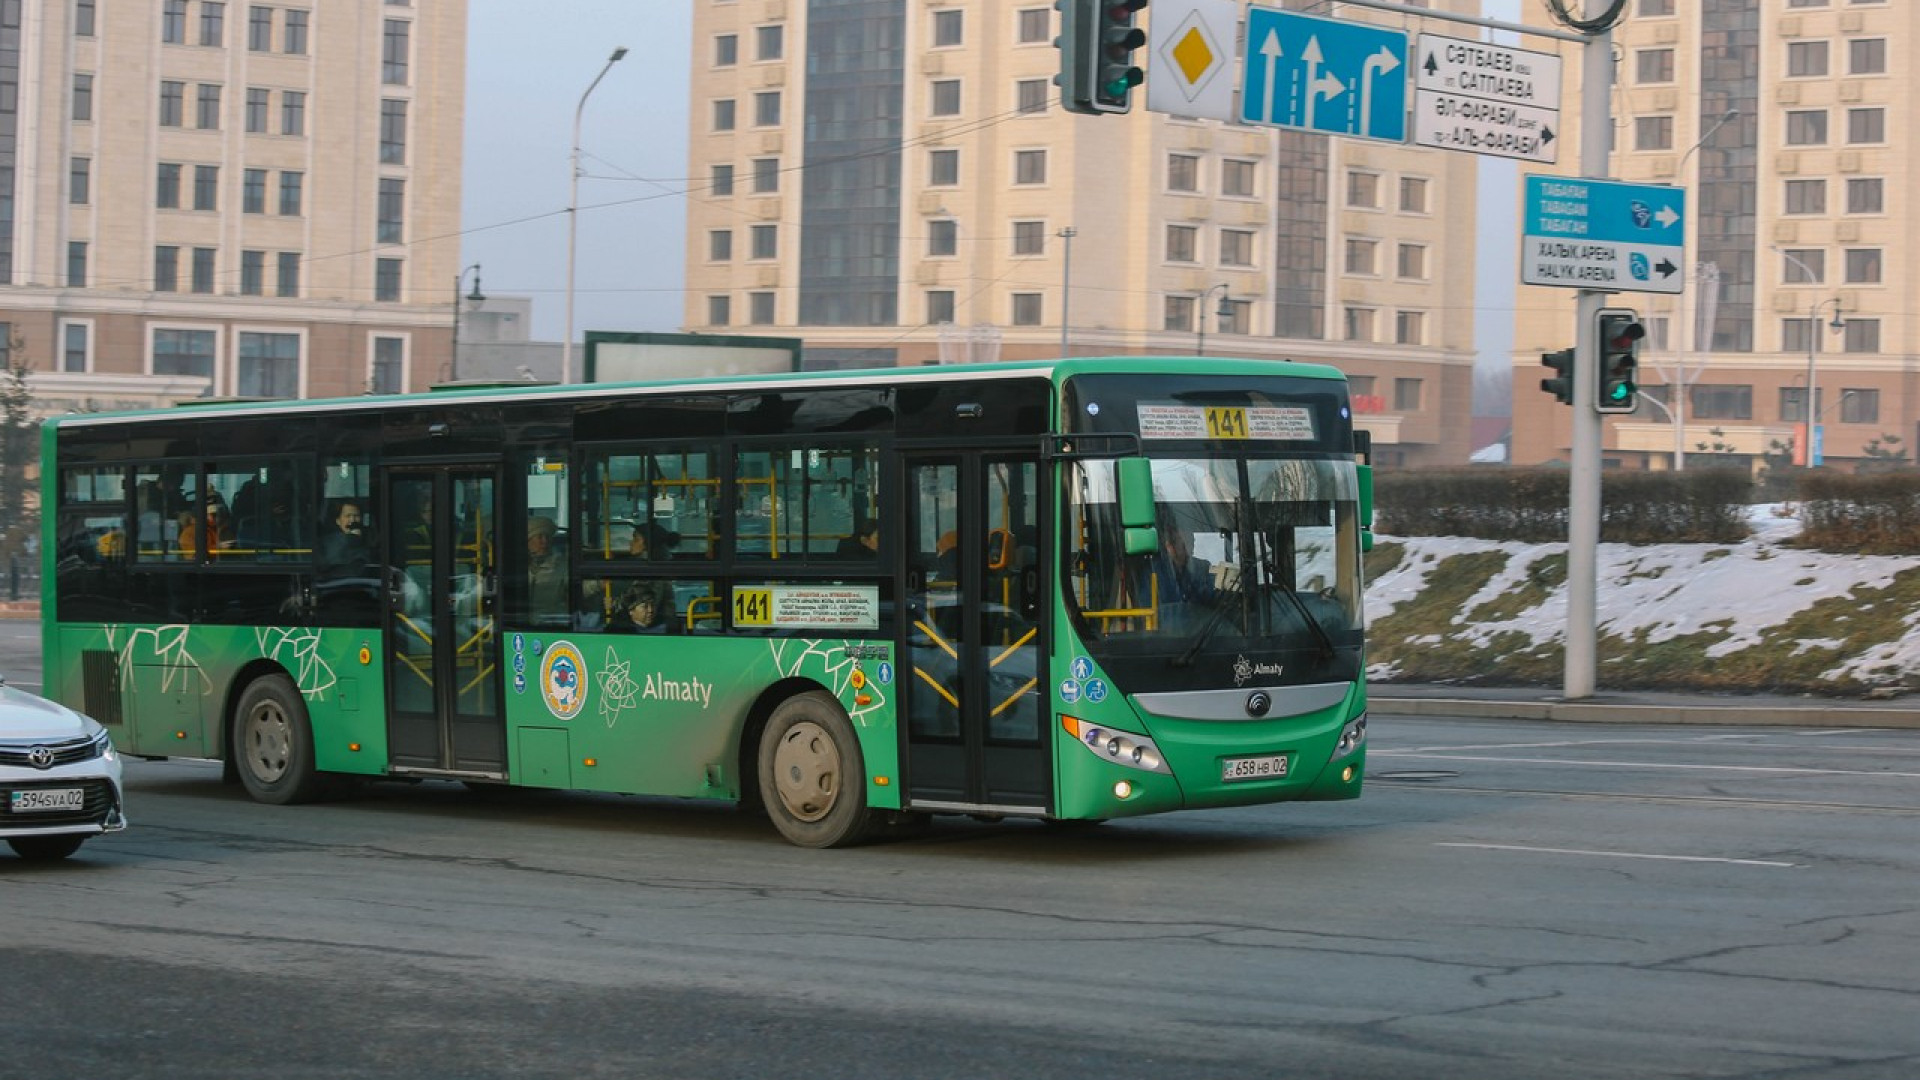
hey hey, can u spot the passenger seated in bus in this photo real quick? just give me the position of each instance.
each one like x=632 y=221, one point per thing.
x=863 y=544
x=650 y=541
x=342 y=550
x=1182 y=576
x=645 y=607
x=546 y=571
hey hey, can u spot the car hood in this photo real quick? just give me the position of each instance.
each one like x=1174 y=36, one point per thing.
x=24 y=716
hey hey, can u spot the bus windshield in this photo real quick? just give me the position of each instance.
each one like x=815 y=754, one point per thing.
x=1255 y=580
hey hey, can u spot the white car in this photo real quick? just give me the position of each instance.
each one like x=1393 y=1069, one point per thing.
x=59 y=777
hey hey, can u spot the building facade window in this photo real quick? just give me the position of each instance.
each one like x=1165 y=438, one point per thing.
x=292 y=188
x=1236 y=247
x=760 y=308
x=173 y=103
x=1867 y=125
x=76 y=346
x=943 y=98
x=1407 y=394
x=1806 y=197
x=1653 y=66
x=943 y=167
x=1721 y=401
x=1359 y=323
x=80 y=181
x=1866 y=195
x=1032 y=95
x=766 y=108
x=1860 y=406
x=719 y=245
x=389 y=365
x=1363 y=255
x=726 y=50
x=207 y=108
x=1413 y=194
x=1363 y=189
x=1235 y=316
x=253 y=191
x=391 y=226
x=1177 y=313
x=1410 y=328
x=1183 y=172
x=294 y=40
x=1034 y=26
x=173 y=22
x=1861 y=336
x=166 y=268
x=253 y=273
x=1653 y=133
x=949 y=28
x=256 y=112
x=1029 y=238
x=764 y=242
x=259 y=29
x=943 y=237
x=766 y=176
x=1029 y=166
x=723 y=114
x=1412 y=262
x=939 y=307
x=386 y=280
x=166 y=186
x=1806 y=59
x=1183 y=243
x=1237 y=179
x=1793 y=404
x=1651 y=8
x=1867 y=56
x=1803 y=266
x=1863 y=266
x=206 y=187
x=82 y=96
x=203 y=269
x=268 y=365
x=1807 y=127
x=720 y=181
x=395 y=52
x=83 y=12
x=719 y=310
x=1026 y=309
x=293 y=112
x=77 y=264
x=184 y=352
x=213 y=23
x=289 y=274
x=769 y=42
x=393 y=131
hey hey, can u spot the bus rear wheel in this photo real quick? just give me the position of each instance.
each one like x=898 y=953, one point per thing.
x=812 y=777
x=272 y=744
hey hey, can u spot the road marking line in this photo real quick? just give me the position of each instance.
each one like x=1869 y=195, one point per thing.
x=1624 y=855
x=1652 y=765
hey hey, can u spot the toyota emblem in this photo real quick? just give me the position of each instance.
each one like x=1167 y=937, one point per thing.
x=1258 y=703
x=40 y=757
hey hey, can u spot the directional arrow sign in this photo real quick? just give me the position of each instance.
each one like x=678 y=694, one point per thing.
x=1342 y=78
x=1486 y=99
x=1603 y=234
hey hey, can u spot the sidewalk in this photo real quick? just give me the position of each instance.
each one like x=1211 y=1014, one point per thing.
x=1637 y=707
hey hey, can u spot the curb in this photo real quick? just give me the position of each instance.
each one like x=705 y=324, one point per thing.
x=1581 y=712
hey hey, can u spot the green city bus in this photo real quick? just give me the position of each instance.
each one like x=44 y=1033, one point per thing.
x=1071 y=590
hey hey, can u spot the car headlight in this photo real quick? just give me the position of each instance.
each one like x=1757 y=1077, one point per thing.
x=1116 y=746
x=1352 y=737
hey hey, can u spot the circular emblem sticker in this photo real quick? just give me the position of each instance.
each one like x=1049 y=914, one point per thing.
x=563 y=680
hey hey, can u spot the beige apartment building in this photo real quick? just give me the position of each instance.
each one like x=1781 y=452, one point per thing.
x=895 y=183
x=245 y=199
x=1790 y=123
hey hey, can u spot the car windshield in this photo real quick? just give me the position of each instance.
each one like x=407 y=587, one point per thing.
x=1256 y=577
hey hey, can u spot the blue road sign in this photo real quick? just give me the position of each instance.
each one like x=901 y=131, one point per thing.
x=1582 y=233
x=1342 y=78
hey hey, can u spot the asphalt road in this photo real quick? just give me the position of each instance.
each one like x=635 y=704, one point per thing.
x=1511 y=899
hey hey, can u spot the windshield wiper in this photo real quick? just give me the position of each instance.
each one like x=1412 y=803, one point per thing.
x=1313 y=624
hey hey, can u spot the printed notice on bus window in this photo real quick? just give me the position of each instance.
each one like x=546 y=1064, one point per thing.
x=832 y=607
x=1289 y=422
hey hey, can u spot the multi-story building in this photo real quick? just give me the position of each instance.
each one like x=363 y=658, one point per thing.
x=894 y=182
x=229 y=198
x=1791 y=125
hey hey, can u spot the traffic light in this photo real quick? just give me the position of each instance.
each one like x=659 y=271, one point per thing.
x=1097 y=41
x=1561 y=385
x=1619 y=366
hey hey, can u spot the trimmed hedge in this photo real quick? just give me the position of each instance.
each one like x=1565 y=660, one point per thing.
x=1867 y=514
x=1702 y=506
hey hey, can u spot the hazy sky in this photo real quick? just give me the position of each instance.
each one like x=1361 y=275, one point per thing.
x=526 y=69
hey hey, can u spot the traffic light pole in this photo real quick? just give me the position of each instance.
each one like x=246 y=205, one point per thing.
x=1583 y=505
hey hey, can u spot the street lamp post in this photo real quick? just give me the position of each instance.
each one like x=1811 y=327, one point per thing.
x=453 y=362
x=1813 y=348
x=573 y=210
x=1200 y=343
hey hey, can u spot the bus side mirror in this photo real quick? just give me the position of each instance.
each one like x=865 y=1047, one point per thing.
x=1133 y=479
x=1366 y=507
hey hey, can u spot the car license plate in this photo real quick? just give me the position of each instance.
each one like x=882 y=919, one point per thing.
x=35 y=800
x=1270 y=767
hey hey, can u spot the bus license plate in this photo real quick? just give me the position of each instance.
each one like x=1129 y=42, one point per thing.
x=1270 y=767
x=42 y=799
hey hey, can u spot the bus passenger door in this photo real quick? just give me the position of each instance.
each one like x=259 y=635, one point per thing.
x=972 y=663
x=444 y=711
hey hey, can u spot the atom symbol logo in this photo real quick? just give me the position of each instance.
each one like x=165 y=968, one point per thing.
x=618 y=691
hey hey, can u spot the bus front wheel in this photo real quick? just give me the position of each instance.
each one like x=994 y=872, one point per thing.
x=812 y=778
x=273 y=743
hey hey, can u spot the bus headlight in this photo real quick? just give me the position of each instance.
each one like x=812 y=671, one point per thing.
x=1116 y=746
x=1352 y=737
